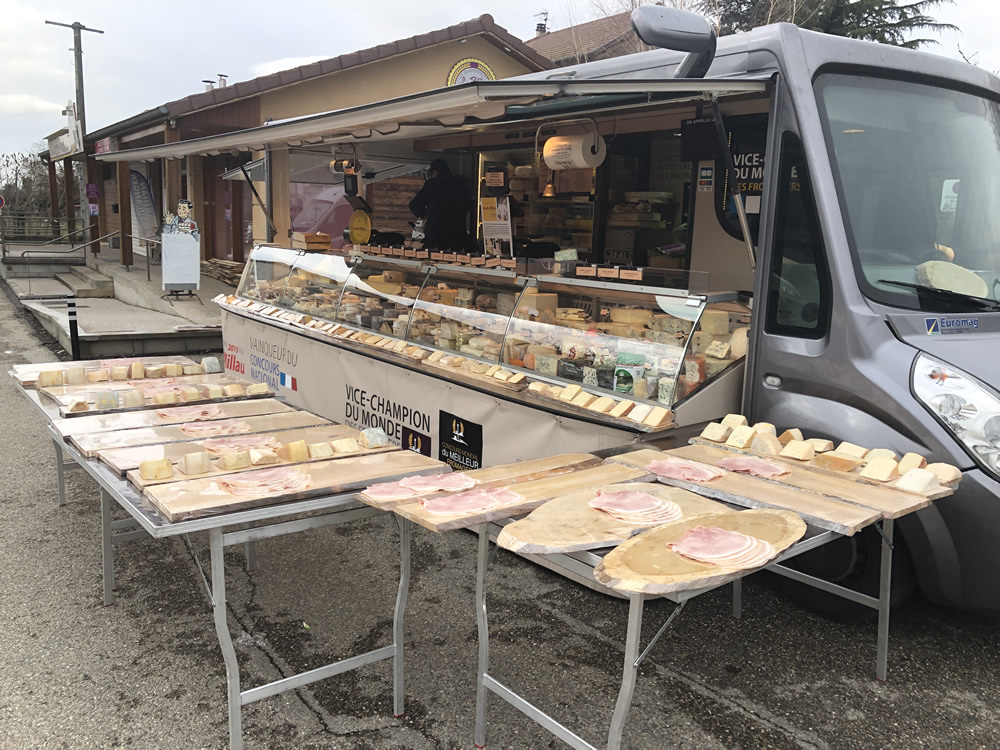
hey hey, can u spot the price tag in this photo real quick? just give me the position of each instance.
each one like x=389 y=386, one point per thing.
x=409 y=253
x=463 y=259
x=586 y=271
x=510 y=263
x=398 y=252
x=492 y=262
x=437 y=256
x=422 y=254
x=634 y=274
x=448 y=257
x=607 y=273
x=478 y=260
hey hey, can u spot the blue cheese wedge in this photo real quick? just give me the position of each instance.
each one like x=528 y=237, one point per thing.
x=106 y=400
x=373 y=437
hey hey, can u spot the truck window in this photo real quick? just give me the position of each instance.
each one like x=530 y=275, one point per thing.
x=798 y=298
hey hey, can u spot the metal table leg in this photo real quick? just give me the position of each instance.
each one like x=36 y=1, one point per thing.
x=250 y=548
x=629 y=671
x=60 y=476
x=398 y=634
x=884 y=601
x=107 y=548
x=484 y=634
x=226 y=640
x=738 y=598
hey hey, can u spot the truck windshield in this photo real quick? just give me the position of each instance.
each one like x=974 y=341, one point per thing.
x=918 y=172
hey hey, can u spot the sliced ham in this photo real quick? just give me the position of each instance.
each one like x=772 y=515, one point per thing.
x=689 y=471
x=473 y=501
x=153 y=386
x=636 y=507
x=726 y=549
x=388 y=491
x=190 y=413
x=216 y=429
x=283 y=480
x=438 y=483
x=757 y=467
x=225 y=446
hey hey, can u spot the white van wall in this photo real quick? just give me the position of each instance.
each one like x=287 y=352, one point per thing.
x=713 y=250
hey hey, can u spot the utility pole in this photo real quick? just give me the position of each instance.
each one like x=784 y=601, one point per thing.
x=81 y=112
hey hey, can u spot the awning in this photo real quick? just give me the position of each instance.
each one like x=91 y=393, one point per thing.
x=441 y=111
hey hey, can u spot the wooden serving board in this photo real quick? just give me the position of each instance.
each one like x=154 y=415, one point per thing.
x=505 y=474
x=534 y=493
x=58 y=392
x=199 y=497
x=935 y=494
x=646 y=565
x=570 y=409
x=568 y=524
x=889 y=501
x=126 y=459
x=66 y=414
x=91 y=445
x=27 y=374
x=752 y=492
x=460 y=373
x=151 y=417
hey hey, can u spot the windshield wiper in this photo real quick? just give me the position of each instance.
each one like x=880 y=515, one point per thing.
x=983 y=303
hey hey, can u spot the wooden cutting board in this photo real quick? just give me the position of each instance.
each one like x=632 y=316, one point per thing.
x=571 y=409
x=199 y=497
x=152 y=417
x=889 y=501
x=751 y=492
x=65 y=413
x=27 y=374
x=644 y=564
x=936 y=494
x=124 y=460
x=91 y=445
x=499 y=476
x=58 y=392
x=480 y=379
x=568 y=524
x=534 y=493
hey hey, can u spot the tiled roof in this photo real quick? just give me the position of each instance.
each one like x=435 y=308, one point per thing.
x=583 y=41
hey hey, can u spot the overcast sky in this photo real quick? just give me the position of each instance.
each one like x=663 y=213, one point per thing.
x=148 y=57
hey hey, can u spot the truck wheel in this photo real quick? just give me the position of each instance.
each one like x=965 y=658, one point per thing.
x=854 y=563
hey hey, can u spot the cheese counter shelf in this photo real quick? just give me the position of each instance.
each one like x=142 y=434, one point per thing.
x=652 y=346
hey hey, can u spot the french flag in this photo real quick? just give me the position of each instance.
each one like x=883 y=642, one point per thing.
x=289 y=381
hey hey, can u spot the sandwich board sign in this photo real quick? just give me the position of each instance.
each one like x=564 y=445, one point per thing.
x=181 y=250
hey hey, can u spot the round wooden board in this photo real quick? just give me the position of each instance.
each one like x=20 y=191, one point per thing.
x=569 y=524
x=646 y=565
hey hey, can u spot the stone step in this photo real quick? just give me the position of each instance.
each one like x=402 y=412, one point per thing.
x=94 y=278
x=82 y=288
x=34 y=287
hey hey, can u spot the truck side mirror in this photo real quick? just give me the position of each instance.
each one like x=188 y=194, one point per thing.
x=681 y=30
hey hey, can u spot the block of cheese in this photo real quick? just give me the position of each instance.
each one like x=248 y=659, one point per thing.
x=603 y=405
x=918 y=480
x=210 y=365
x=320 y=450
x=881 y=468
x=621 y=409
x=154 y=371
x=517 y=377
x=195 y=463
x=546 y=364
x=820 y=445
x=717 y=432
x=788 y=435
x=639 y=412
x=173 y=370
x=119 y=373
x=233 y=461
x=192 y=369
x=837 y=461
x=492 y=371
x=190 y=393
x=106 y=400
x=503 y=375
x=168 y=397
x=77 y=405
x=570 y=392
x=74 y=376
x=765 y=427
x=658 y=417
x=263 y=456
x=435 y=356
x=946 y=473
x=48 y=378
x=719 y=349
x=294 y=452
x=345 y=445
x=232 y=389
x=801 y=450
x=766 y=443
x=132 y=398
x=258 y=389
x=212 y=391
x=850 y=449
x=715 y=322
x=880 y=453
x=583 y=399
x=136 y=371
x=537 y=387
x=632 y=316
x=738 y=343
x=640 y=388
x=912 y=461
x=734 y=420
x=98 y=376
x=456 y=361
x=160 y=468
x=741 y=437
x=373 y=437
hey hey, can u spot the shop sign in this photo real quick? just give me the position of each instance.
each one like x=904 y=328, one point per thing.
x=104 y=146
x=461 y=442
x=468 y=70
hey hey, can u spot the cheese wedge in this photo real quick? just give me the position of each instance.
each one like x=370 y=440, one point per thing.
x=837 y=461
x=192 y=369
x=132 y=398
x=456 y=361
x=820 y=445
x=97 y=376
x=583 y=399
x=294 y=452
x=232 y=389
x=263 y=456
x=136 y=371
x=74 y=376
x=765 y=428
x=76 y=405
x=435 y=356
x=622 y=409
x=196 y=463
x=345 y=445
x=881 y=469
x=155 y=371
x=767 y=443
x=211 y=391
x=160 y=468
x=741 y=437
x=639 y=412
x=570 y=392
x=735 y=420
x=800 y=450
x=717 y=432
x=258 y=389
x=173 y=371
x=918 y=480
x=850 y=449
x=946 y=473
x=190 y=393
x=373 y=437
x=169 y=397
x=320 y=450
x=106 y=400
x=788 y=435
x=492 y=371
x=210 y=364
x=118 y=373
x=49 y=378
x=880 y=453
x=912 y=461
x=602 y=405
x=502 y=375
x=234 y=461
x=537 y=387
x=658 y=417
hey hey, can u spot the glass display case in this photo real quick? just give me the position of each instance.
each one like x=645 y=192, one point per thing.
x=266 y=274
x=315 y=285
x=379 y=295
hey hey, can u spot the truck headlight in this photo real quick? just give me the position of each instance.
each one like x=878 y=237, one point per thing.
x=968 y=408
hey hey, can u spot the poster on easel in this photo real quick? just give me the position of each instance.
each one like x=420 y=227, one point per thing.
x=498 y=234
x=181 y=250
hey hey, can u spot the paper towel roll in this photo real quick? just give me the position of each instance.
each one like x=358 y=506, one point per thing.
x=574 y=151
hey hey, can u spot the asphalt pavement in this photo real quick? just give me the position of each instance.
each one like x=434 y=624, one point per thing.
x=147 y=672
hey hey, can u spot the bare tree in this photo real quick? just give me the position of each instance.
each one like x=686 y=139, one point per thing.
x=24 y=184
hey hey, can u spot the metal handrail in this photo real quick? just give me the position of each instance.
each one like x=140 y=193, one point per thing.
x=72 y=247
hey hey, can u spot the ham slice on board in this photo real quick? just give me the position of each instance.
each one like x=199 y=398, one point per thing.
x=388 y=491
x=215 y=429
x=191 y=413
x=636 y=507
x=283 y=480
x=225 y=446
x=473 y=501
x=689 y=471
x=727 y=549
x=757 y=467
x=438 y=483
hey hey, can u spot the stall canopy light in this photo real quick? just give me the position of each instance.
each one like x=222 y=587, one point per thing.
x=549 y=191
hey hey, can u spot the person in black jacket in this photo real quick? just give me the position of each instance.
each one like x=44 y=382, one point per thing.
x=443 y=204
